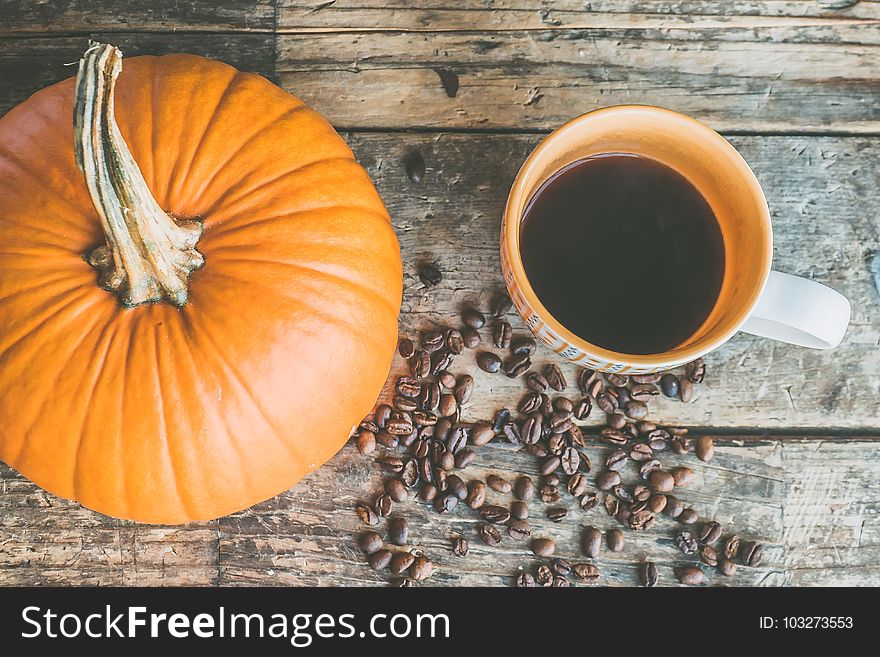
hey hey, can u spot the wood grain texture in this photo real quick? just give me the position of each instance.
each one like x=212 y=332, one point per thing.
x=78 y=16
x=814 y=79
x=468 y=15
x=820 y=196
x=30 y=64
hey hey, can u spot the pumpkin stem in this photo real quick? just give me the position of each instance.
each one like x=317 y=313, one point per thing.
x=148 y=255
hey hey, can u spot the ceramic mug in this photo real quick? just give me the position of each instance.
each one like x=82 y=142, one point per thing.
x=753 y=298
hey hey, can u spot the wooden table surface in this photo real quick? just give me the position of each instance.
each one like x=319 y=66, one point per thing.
x=793 y=84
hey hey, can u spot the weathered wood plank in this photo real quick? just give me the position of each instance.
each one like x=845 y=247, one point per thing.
x=436 y=15
x=799 y=79
x=71 y=16
x=29 y=64
x=820 y=191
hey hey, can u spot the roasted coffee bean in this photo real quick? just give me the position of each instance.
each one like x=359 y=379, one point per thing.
x=582 y=408
x=669 y=385
x=517 y=365
x=536 y=382
x=382 y=505
x=498 y=483
x=524 y=345
x=454 y=341
x=661 y=481
x=657 y=439
x=589 y=501
x=441 y=360
x=446 y=461
x=380 y=559
x=696 y=370
x=644 y=392
x=429 y=275
x=502 y=334
x=623 y=514
x=561 y=567
x=571 y=460
x=488 y=362
x=464 y=388
x=727 y=568
x=502 y=417
x=649 y=467
x=585 y=379
x=366 y=514
x=560 y=422
x=422 y=419
x=641 y=493
x=519 y=510
x=591 y=542
x=391 y=464
x=501 y=306
x=563 y=405
x=512 y=433
x=367 y=424
x=495 y=514
x=538 y=450
x=690 y=575
x=585 y=572
x=470 y=337
x=543 y=575
x=708 y=555
x=543 y=547
x=549 y=465
x=752 y=553
x=421 y=569
x=429 y=397
x=420 y=364
x=622 y=395
x=731 y=547
x=481 y=434
x=400 y=424
x=448 y=405
x=524 y=488
x=686 y=390
x=525 y=581
x=400 y=562
x=455 y=485
x=688 y=516
x=464 y=458
x=473 y=318
x=709 y=532
x=556 y=514
x=370 y=542
x=410 y=473
x=614 y=437
x=519 y=530
x=530 y=403
x=488 y=534
x=560 y=582
x=576 y=437
x=611 y=504
x=677 y=431
x=549 y=494
x=682 y=477
x=607 y=480
x=686 y=542
x=617 y=380
x=679 y=445
x=398 y=530
x=433 y=341
x=607 y=403
x=705 y=448
x=460 y=547
x=442 y=429
x=456 y=439
x=555 y=377
x=406 y=404
x=623 y=493
x=577 y=484
x=476 y=496
x=382 y=415
x=546 y=406
x=428 y=492
x=551 y=479
x=636 y=410
x=366 y=442
x=674 y=507
x=616 y=460
x=395 y=489
x=657 y=502
x=532 y=428
x=615 y=540
x=641 y=452
x=648 y=574
x=406 y=348
x=446 y=502
x=617 y=420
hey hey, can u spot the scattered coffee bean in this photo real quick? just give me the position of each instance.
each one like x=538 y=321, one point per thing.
x=455 y=485
x=464 y=458
x=524 y=345
x=382 y=505
x=705 y=448
x=395 y=489
x=661 y=481
x=519 y=510
x=686 y=390
x=752 y=553
x=476 y=494
x=586 y=572
x=499 y=484
x=549 y=465
x=366 y=442
x=607 y=480
x=637 y=410
x=543 y=575
x=648 y=574
x=369 y=542
x=488 y=534
x=495 y=514
x=709 y=532
x=501 y=306
x=428 y=493
x=422 y=568
x=696 y=370
x=570 y=460
x=690 y=575
x=577 y=484
x=433 y=341
x=536 y=382
x=488 y=362
x=525 y=581
x=674 y=507
x=727 y=568
x=686 y=542
x=420 y=364
x=731 y=547
x=607 y=403
x=517 y=365
x=460 y=547
x=366 y=514
x=502 y=334
x=682 y=477
x=657 y=502
x=591 y=542
x=557 y=514
x=708 y=555
x=615 y=540
x=616 y=460
x=555 y=377
x=470 y=337
x=611 y=504
x=464 y=388
x=543 y=547
x=400 y=562
x=688 y=516
x=445 y=502
x=669 y=385
x=519 y=530
x=473 y=318
x=380 y=559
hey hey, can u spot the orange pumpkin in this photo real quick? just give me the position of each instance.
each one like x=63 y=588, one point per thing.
x=159 y=396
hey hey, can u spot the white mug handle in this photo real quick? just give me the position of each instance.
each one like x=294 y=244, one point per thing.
x=799 y=311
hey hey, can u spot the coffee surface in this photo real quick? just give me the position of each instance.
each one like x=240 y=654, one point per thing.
x=624 y=252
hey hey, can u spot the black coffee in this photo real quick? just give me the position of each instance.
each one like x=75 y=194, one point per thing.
x=624 y=252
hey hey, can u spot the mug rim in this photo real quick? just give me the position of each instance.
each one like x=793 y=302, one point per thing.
x=677 y=355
